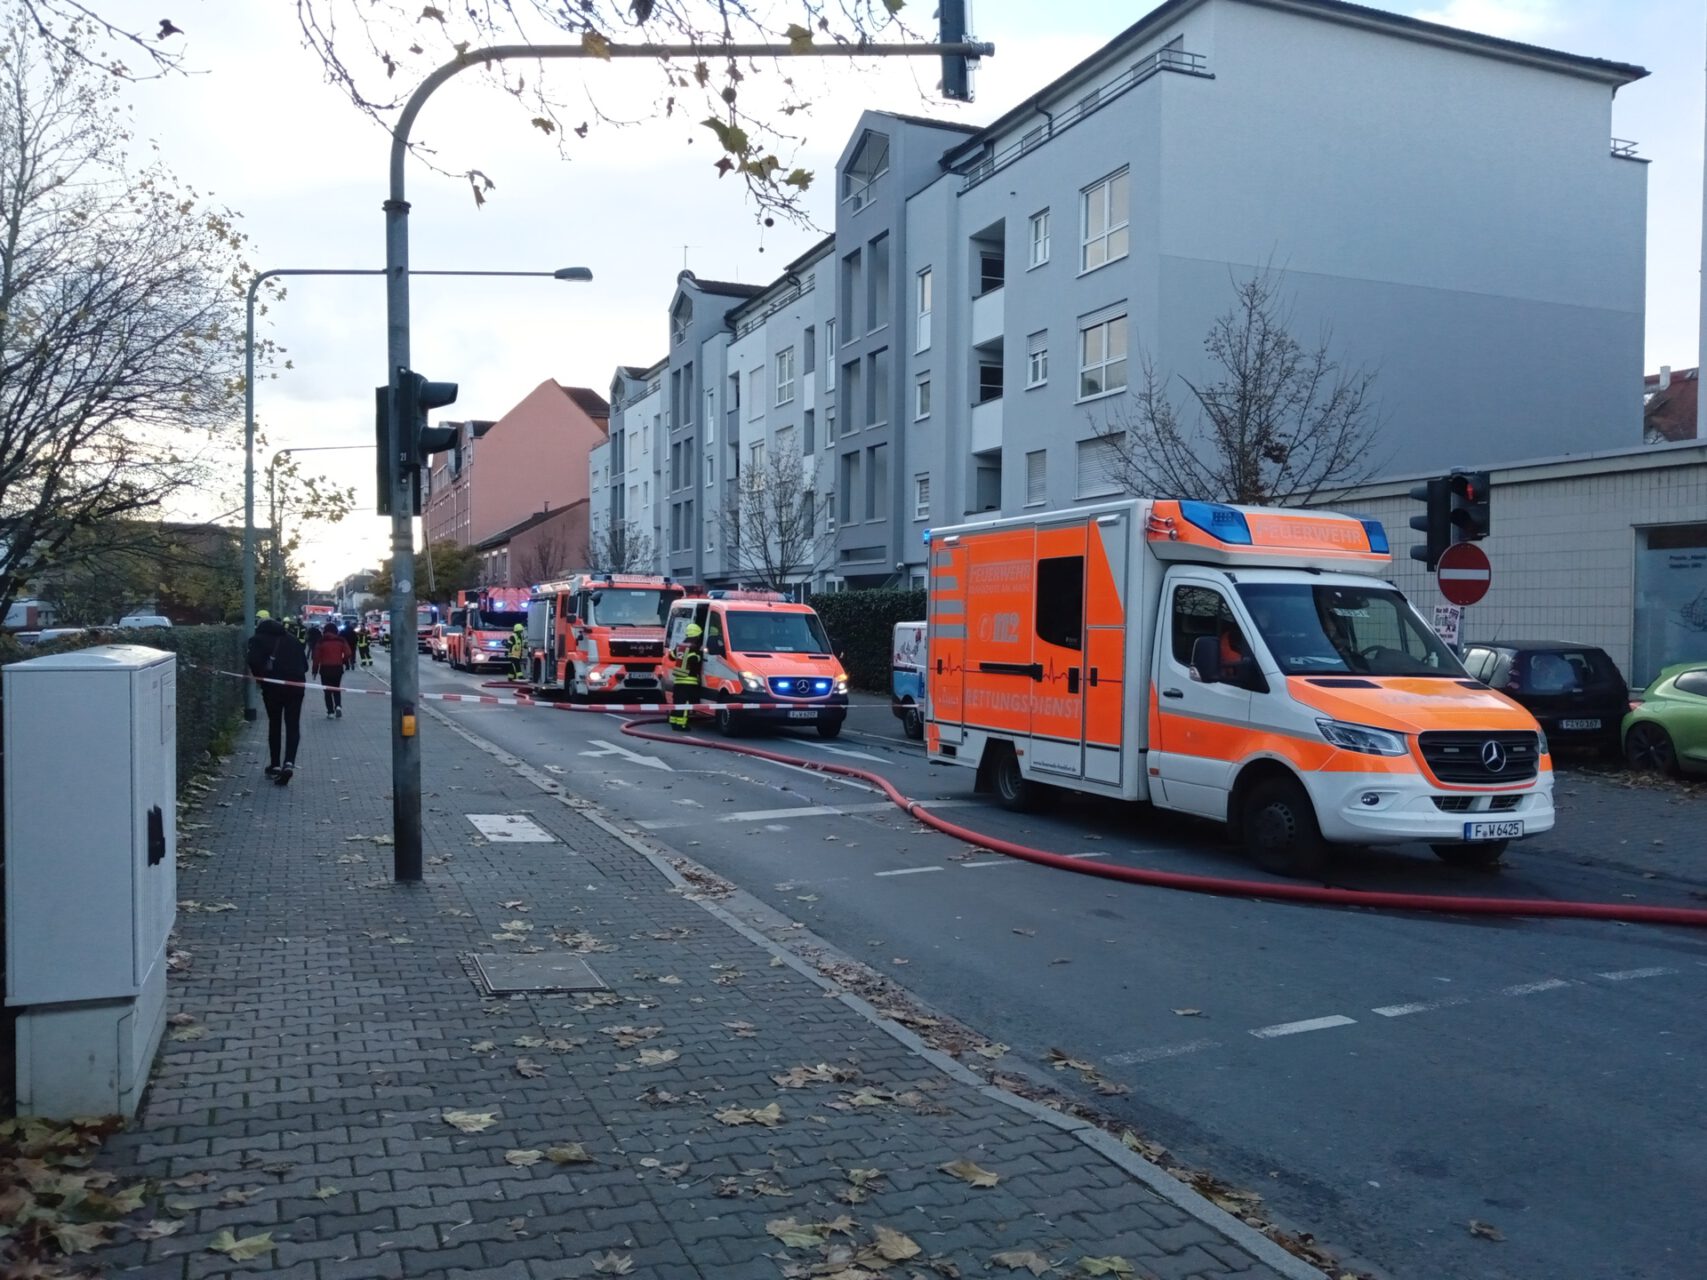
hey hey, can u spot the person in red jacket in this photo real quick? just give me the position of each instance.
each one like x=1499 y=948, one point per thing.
x=331 y=656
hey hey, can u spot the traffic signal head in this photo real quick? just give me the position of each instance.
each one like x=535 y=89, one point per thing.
x=1436 y=524
x=1472 y=508
x=956 y=67
x=416 y=397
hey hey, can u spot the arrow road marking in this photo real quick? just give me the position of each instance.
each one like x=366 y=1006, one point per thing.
x=633 y=757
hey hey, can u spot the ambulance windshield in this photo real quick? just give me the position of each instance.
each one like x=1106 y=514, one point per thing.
x=1326 y=629
x=630 y=607
x=761 y=631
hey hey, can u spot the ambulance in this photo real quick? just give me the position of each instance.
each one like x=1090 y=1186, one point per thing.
x=599 y=635
x=1244 y=664
x=488 y=618
x=760 y=646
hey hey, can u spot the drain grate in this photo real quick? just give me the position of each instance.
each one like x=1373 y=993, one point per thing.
x=535 y=975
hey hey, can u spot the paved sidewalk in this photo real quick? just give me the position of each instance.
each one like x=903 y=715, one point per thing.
x=334 y=1028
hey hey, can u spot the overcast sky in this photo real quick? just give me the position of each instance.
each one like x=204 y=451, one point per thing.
x=259 y=128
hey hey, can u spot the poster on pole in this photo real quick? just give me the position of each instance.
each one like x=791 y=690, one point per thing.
x=1448 y=618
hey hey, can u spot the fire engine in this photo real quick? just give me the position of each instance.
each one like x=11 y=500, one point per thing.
x=425 y=616
x=488 y=617
x=595 y=635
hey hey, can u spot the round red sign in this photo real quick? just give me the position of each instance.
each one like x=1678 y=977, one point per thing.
x=1464 y=573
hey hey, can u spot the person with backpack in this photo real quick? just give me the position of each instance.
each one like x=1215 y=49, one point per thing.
x=331 y=657
x=276 y=656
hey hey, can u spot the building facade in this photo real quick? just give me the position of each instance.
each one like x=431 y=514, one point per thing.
x=1450 y=209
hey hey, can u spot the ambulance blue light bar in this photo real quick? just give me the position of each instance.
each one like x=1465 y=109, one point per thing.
x=1218 y=520
x=1377 y=536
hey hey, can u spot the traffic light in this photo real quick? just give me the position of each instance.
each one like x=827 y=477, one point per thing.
x=1437 y=523
x=1472 y=507
x=416 y=397
x=956 y=67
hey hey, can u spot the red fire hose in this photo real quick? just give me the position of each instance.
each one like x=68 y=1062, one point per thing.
x=1631 y=913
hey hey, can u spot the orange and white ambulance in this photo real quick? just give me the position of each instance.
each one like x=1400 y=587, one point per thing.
x=487 y=618
x=596 y=635
x=760 y=646
x=1244 y=664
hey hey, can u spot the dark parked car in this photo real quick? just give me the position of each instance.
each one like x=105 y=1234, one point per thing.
x=1574 y=690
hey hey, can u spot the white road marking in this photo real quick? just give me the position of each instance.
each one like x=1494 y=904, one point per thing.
x=1626 y=975
x=1087 y=855
x=1308 y=1024
x=1530 y=988
x=799 y=811
x=510 y=828
x=989 y=862
x=633 y=757
x=907 y=871
x=1158 y=1054
x=1420 y=1006
x=840 y=751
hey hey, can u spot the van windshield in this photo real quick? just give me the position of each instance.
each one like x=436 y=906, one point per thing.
x=498 y=619
x=1324 y=629
x=761 y=631
x=630 y=607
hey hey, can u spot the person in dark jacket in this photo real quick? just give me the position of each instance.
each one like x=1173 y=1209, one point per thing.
x=364 y=647
x=274 y=656
x=331 y=656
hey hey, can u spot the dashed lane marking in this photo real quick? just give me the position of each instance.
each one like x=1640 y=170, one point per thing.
x=1419 y=1006
x=1140 y=1056
x=799 y=811
x=907 y=871
x=1628 y=975
x=1532 y=988
x=1298 y=1028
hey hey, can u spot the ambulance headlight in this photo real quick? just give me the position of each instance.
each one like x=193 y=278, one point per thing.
x=841 y=684
x=752 y=683
x=1364 y=738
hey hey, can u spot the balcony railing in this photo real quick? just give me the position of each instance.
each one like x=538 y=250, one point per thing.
x=1624 y=149
x=1169 y=59
x=748 y=323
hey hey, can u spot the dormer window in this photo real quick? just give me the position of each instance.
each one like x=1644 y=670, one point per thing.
x=680 y=316
x=869 y=162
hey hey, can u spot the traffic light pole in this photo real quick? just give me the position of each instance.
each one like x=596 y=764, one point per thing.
x=402 y=479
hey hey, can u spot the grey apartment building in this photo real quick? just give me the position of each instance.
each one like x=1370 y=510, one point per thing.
x=1452 y=206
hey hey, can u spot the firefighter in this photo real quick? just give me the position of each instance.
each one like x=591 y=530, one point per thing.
x=685 y=689
x=364 y=647
x=518 y=646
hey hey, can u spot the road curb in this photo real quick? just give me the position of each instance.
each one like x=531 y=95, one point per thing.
x=1164 y=1184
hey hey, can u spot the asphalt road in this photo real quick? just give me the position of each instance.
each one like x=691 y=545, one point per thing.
x=1381 y=1080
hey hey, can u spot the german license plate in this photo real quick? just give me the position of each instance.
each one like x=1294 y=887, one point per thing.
x=802 y=715
x=1579 y=724
x=1509 y=830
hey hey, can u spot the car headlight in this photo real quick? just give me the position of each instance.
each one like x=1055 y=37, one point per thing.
x=841 y=684
x=752 y=683
x=1541 y=742
x=1364 y=738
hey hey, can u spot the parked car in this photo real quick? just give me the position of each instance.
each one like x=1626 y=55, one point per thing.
x=437 y=648
x=1666 y=728
x=1574 y=690
x=133 y=621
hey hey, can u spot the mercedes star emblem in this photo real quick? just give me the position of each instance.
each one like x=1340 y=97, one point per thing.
x=1493 y=756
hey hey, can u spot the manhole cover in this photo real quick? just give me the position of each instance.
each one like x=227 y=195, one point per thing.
x=511 y=974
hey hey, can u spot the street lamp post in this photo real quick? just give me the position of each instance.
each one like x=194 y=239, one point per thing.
x=562 y=273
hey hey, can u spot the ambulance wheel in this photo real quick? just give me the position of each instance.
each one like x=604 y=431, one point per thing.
x=912 y=723
x=728 y=723
x=829 y=728
x=1280 y=829
x=1481 y=853
x=1013 y=788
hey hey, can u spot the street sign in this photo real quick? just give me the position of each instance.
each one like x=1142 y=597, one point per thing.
x=1464 y=573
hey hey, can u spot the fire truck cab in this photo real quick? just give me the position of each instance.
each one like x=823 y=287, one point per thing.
x=488 y=618
x=759 y=646
x=599 y=635
x=1244 y=664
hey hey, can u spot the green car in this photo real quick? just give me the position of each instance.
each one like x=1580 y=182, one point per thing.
x=1667 y=725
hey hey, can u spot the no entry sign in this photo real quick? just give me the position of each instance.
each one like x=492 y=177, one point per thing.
x=1464 y=573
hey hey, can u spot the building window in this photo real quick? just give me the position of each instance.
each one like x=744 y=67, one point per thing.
x=877 y=388
x=992 y=270
x=785 y=376
x=755 y=394
x=809 y=433
x=829 y=513
x=923 y=293
x=829 y=423
x=922 y=397
x=1037 y=478
x=877 y=482
x=710 y=417
x=878 y=282
x=1037 y=358
x=853 y=391
x=851 y=489
x=1099 y=466
x=869 y=162
x=921 y=497
x=989 y=383
x=1104 y=210
x=710 y=466
x=809 y=350
x=1040 y=238
x=1102 y=356
x=679 y=320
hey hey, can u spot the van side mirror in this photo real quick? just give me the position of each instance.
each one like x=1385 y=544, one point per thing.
x=1206 y=660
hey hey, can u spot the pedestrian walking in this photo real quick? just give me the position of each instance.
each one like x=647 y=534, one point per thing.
x=517 y=650
x=684 y=689
x=331 y=657
x=364 y=647
x=276 y=656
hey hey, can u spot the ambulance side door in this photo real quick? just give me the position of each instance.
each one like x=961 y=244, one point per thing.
x=945 y=647
x=1203 y=731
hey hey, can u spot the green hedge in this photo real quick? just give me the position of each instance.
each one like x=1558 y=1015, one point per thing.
x=208 y=705
x=861 y=625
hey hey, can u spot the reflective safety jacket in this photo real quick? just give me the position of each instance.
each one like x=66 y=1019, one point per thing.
x=517 y=645
x=687 y=667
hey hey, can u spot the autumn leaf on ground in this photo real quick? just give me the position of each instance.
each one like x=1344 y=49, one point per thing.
x=769 y=1117
x=182 y=1019
x=482 y=1046
x=470 y=1121
x=1022 y=1259
x=1485 y=1230
x=894 y=1246
x=196 y=1032
x=656 y=1057
x=241 y=1250
x=159 y=1228
x=523 y=1158
x=568 y=1153
x=1110 y=1266
x=325 y=1193
x=528 y=1069
x=803 y=1235
x=823 y=1073
x=991 y=1050
x=627 y=1037
x=968 y=1172
x=529 y=1042
x=80 y=1237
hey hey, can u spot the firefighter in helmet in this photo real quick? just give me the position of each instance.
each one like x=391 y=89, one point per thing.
x=684 y=691
x=517 y=648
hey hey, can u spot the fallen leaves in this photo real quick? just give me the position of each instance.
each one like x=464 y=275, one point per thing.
x=769 y=1117
x=159 y=1228
x=970 y=1173
x=1110 y=1266
x=241 y=1250
x=656 y=1057
x=1022 y=1260
x=893 y=1246
x=528 y=1069
x=1485 y=1230
x=523 y=1158
x=470 y=1121
x=568 y=1153
x=1087 y=1072
x=823 y=1073
x=627 y=1037
x=803 y=1235
x=613 y=1263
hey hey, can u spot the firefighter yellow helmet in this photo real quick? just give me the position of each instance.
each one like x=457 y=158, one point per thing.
x=518 y=627
x=694 y=631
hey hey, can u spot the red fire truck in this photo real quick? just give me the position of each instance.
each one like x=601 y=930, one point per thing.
x=595 y=635
x=487 y=618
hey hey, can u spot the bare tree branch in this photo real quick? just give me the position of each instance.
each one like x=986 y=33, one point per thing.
x=622 y=547
x=769 y=526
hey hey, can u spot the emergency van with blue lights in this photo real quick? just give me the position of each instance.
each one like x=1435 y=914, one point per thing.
x=1245 y=664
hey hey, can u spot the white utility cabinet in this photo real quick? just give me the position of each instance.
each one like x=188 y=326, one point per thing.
x=91 y=772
